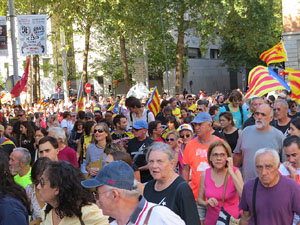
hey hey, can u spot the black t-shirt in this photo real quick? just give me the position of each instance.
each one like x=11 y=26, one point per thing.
x=178 y=197
x=138 y=150
x=284 y=129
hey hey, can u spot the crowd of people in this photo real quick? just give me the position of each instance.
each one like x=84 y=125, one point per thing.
x=201 y=160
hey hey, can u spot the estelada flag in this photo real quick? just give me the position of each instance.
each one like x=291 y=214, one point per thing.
x=21 y=84
x=80 y=98
x=294 y=78
x=114 y=107
x=263 y=80
x=154 y=102
x=276 y=54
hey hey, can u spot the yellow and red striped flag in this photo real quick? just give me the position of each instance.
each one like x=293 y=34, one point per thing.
x=80 y=98
x=294 y=78
x=153 y=103
x=263 y=80
x=276 y=54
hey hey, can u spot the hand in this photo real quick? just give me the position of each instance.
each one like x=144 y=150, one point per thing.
x=230 y=165
x=93 y=171
x=179 y=142
x=291 y=169
x=212 y=202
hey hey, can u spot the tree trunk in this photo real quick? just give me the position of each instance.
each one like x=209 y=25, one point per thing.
x=35 y=71
x=86 y=52
x=180 y=52
x=124 y=63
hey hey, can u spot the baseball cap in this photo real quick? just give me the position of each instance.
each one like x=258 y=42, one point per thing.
x=116 y=174
x=202 y=117
x=185 y=126
x=140 y=124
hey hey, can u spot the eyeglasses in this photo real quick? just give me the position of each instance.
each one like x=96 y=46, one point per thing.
x=97 y=194
x=183 y=136
x=99 y=130
x=199 y=109
x=20 y=115
x=217 y=155
x=170 y=139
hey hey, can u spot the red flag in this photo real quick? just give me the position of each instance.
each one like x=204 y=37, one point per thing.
x=21 y=84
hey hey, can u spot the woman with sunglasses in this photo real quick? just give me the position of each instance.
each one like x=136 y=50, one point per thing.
x=67 y=202
x=95 y=155
x=173 y=139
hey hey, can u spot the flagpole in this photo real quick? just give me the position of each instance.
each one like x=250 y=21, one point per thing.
x=78 y=94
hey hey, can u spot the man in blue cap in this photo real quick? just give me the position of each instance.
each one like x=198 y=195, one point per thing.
x=118 y=197
x=137 y=148
x=195 y=154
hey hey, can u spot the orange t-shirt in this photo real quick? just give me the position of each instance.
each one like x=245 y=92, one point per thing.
x=195 y=155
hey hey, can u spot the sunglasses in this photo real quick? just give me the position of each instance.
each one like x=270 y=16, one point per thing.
x=199 y=109
x=98 y=130
x=20 y=115
x=170 y=139
x=187 y=136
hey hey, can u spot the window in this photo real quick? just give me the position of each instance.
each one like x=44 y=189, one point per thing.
x=214 y=53
x=193 y=53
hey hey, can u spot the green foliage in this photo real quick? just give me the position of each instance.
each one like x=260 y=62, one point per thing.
x=248 y=29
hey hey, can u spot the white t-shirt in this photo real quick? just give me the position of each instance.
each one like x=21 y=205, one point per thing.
x=148 y=117
x=68 y=124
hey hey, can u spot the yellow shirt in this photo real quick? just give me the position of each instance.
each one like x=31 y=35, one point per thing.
x=193 y=108
x=25 y=180
x=177 y=112
x=91 y=215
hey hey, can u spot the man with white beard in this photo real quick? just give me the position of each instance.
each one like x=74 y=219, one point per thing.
x=253 y=138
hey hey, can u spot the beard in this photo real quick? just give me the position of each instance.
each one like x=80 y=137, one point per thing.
x=259 y=124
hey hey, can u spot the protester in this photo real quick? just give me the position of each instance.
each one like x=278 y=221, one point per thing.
x=120 y=134
x=252 y=138
x=27 y=138
x=67 y=201
x=95 y=156
x=270 y=190
x=282 y=121
x=14 y=204
x=137 y=148
x=65 y=153
x=117 y=195
x=230 y=132
x=295 y=127
x=255 y=102
x=48 y=147
x=213 y=181
x=293 y=110
x=173 y=139
x=75 y=135
x=6 y=144
x=32 y=193
x=195 y=155
x=168 y=188
x=39 y=134
x=19 y=166
x=155 y=131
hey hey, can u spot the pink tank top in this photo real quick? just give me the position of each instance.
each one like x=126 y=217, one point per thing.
x=231 y=202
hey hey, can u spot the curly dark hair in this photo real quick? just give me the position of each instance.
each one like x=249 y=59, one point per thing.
x=38 y=168
x=72 y=196
x=7 y=184
x=88 y=127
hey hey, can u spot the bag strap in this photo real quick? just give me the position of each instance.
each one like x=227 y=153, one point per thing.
x=148 y=215
x=81 y=221
x=225 y=186
x=254 y=201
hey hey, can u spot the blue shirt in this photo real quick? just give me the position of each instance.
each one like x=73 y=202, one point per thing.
x=237 y=118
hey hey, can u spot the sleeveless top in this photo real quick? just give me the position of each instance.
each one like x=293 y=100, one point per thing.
x=232 y=138
x=231 y=202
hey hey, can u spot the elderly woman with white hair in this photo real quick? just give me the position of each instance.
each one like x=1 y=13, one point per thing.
x=65 y=153
x=168 y=188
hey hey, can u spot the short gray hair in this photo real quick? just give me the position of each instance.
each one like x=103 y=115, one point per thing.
x=163 y=147
x=26 y=156
x=254 y=98
x=283 y=102
x=134 y=193
x=58 y=133
x=267 y=150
